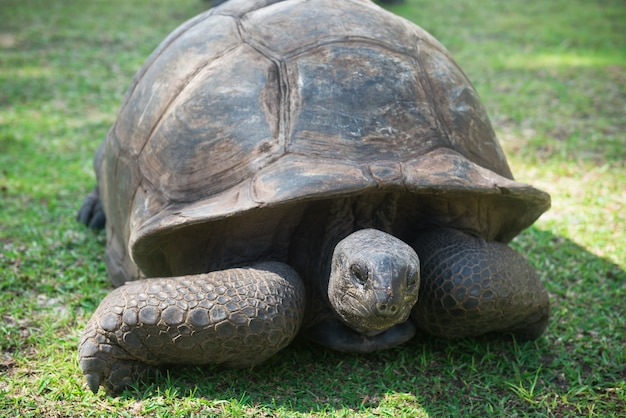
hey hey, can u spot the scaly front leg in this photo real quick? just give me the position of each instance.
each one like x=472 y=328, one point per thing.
x=237 y=317
x=471 y=286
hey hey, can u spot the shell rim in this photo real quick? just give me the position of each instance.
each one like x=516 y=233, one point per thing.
x=252 y=194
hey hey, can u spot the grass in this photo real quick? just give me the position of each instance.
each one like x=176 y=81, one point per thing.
x=553 y=78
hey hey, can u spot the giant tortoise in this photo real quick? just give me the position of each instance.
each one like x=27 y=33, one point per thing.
x=319 y=168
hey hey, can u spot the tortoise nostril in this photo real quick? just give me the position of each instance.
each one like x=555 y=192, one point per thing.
x=385 y=309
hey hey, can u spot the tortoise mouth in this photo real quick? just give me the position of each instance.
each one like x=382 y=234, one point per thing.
x=374 y=317
x=372 y=323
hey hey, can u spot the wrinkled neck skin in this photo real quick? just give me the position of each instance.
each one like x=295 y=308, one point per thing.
x=323 y=225
x=353 y=270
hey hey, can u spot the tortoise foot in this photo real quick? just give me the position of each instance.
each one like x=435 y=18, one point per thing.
x=105 y=363
x=532 y=326
x=335 y=335
x=91 y=213
x=237 y=317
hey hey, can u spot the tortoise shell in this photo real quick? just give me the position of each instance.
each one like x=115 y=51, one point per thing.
x=248 y=113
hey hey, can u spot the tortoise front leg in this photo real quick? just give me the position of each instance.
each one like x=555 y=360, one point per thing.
x=238 y=317
x=471 y=286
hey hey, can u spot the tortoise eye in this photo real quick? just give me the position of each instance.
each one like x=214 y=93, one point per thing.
x=413 y=278
x=358 y=274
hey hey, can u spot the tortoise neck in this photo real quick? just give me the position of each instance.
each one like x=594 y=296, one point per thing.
x=326 y=223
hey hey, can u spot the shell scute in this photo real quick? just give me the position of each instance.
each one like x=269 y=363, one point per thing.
x=347 y=106
x=216 y=133
x=167 y=72
x=325 y=21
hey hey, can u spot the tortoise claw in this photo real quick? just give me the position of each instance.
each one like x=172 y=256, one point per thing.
x=108 y=370
x=93 y=381
x=105 y=363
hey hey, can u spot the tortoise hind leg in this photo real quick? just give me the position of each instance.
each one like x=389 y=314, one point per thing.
x=238 y=317
x=91 y=213
x=471 y=287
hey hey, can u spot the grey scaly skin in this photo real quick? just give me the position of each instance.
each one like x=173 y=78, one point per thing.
x=240 y=317
x=237 y=317
x=471 y=286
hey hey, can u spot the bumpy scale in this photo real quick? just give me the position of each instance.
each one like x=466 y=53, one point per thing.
x=238 y=317
x=471 y=287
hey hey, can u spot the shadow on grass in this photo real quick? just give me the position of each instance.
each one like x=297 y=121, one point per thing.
x=581 y=355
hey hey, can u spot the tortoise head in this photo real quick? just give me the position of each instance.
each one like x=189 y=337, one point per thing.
x=374 y=281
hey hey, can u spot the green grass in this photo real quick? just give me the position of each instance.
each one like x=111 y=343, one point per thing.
x=553 y=78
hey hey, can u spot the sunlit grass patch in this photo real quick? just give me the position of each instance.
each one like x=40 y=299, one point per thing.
x=559 y=60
